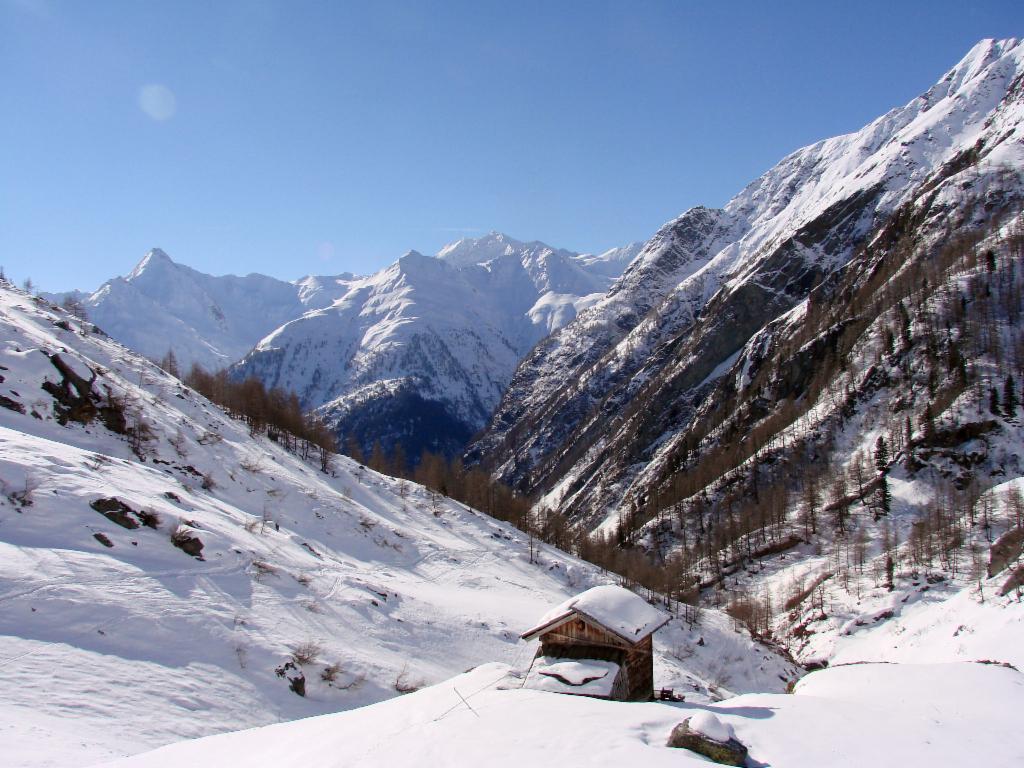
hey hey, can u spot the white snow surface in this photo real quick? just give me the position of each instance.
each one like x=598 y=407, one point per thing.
x=373 y=583
x=614 y=607
x=889 y=716
x=708 y=724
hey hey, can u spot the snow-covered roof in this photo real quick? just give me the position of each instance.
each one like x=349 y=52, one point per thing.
x=615 y=608
x=585 y=677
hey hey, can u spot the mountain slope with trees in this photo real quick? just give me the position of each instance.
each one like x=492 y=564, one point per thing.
x=642 y=360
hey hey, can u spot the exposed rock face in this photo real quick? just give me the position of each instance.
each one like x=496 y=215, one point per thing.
x=597 y=403
x=1005 y=550
x=116 y=511
x=191 y=545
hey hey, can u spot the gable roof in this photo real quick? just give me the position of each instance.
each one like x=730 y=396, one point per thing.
x=620 y=611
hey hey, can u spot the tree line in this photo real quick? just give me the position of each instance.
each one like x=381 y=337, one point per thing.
x=270 y=411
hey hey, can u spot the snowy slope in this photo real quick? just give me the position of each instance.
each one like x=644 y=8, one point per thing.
x=213 y=321
x=115 y=640
x=711 y=279
x=448 y=330
x=877 y=715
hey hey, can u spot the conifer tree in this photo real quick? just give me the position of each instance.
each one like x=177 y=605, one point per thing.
x=884 y=498
x=169 y=363
x=881 y=456
x=928 y=425
x=1009 y=397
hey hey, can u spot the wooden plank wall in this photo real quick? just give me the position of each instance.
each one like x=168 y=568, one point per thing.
x=640 y=670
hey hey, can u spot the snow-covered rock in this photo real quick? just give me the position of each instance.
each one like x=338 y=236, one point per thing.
x=707 y=724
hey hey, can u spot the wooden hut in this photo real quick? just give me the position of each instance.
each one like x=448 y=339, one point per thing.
x=598 y=644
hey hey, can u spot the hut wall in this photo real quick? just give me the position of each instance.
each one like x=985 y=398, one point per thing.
x=576 y=631
x=640 y=671
x=578 y=638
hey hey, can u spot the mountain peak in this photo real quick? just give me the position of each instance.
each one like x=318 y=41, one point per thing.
x=977 y=61
x=476 y=250
x=154 y=257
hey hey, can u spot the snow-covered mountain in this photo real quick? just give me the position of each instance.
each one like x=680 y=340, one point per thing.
x=166 y=574
x=161 y=305
x=420 y=353
x=591 y=404
x=804 y=408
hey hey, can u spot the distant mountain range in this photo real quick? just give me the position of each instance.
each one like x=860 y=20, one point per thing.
x=418 y=353
x=162 y=305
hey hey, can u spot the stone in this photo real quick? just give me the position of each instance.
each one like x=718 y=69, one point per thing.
x=116 y=511
x=729 y=752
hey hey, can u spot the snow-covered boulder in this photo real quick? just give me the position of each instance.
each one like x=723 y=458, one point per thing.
x=706 y=735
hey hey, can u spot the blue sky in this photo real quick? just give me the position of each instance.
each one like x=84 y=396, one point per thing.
x=297 y=137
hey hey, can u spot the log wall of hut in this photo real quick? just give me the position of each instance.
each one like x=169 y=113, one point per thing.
x=578 y=631
x=640 y=671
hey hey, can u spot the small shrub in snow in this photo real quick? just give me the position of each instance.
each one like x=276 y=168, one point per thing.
x=306 y=653
x=139 y=433
x=22 y=497
x=97 y=461
x=312 y=606
x=252 y=465
x=148 y=519
x=262 y=569
x=404 y=683
x=210 y=437
x=332 y=675
x=331 y=672
x=177 y=442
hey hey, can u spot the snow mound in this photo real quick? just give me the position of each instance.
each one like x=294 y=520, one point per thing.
x=706 y=724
